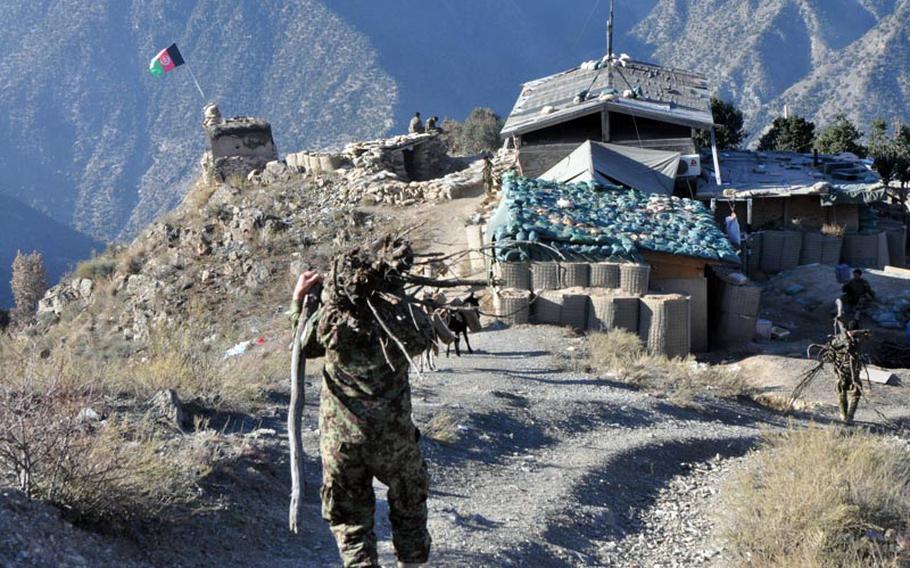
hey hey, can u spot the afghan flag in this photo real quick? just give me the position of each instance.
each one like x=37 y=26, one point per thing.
x=165 y=61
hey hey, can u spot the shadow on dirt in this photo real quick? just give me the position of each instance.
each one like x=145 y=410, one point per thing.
x=608 y=502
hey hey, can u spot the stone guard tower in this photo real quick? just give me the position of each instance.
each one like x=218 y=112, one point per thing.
x=237 y=145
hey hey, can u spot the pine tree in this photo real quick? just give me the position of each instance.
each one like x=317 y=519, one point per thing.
x=480 y=132
x=728 y=130
x=840 y=136
x=793 y=134
x=29 y=284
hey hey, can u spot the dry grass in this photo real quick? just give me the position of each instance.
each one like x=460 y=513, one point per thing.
x=622 y=354
x=832 y=230
x=109 y=474
x=822 y=498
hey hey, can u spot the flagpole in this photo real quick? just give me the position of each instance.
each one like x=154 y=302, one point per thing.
x=195 y=81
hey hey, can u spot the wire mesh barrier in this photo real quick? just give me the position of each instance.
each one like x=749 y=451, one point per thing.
x=516 y=275
x=866 y=250
x=663 y=324
x=575 y=274
x=607 y=312
x=512 y=306
x=820 y=249
x=780 y=250
x=545 y=275
x=605 y=275
x=633 y=278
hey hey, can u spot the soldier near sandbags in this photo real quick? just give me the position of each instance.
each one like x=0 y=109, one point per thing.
x=368 y=331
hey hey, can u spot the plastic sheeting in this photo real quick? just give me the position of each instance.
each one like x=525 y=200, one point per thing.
x=649 y=171
x=861 y=193
x=590 y=222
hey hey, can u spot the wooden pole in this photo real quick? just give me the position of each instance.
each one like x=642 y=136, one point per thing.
x=295 y=410
x=716 y=157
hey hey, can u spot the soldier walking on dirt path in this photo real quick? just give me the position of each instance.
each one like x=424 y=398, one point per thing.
x=365 y=423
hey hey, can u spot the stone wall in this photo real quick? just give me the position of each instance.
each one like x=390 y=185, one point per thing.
x=237 y=146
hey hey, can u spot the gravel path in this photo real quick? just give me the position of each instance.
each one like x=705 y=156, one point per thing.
x=551 y=467
x=558 y=468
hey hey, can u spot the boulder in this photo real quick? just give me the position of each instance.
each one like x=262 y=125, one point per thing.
x=166 y=408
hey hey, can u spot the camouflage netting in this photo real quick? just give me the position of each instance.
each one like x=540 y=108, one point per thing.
x=590 y=222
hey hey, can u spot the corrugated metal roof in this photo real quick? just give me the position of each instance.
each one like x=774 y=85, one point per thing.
x=662 y=93
x=781 y=174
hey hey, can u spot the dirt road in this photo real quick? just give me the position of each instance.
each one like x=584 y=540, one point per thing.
x=551 y=467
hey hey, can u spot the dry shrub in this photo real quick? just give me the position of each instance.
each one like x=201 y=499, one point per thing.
x=443 y=428
x=622 y=354
x=199 y=194
x=108 y=474
x=832 y=230
x=96 y=268
x=822 y=498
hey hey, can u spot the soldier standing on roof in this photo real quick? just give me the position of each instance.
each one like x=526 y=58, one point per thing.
x=416 y=125
x=365 y=422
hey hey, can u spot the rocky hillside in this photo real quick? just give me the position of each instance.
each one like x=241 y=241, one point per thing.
x=103 y=146
x=239 y=242
x=818 y=57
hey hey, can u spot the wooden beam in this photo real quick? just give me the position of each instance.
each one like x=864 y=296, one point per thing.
x=605 y=125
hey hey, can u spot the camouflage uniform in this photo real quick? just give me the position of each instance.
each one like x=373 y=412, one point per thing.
x=488 y=176
x=848 y=368
x=366 y=431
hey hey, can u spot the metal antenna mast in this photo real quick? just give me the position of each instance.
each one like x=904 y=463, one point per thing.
x=610 y=32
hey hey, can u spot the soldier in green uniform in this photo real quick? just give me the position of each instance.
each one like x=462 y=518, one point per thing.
x=844 y=355
x=365 y=422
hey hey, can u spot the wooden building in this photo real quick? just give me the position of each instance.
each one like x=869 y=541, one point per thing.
x=615 y=100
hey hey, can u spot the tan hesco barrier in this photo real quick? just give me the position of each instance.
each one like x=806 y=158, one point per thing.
x=291 y=161
x=897 y=246
x=575 y=274
x=664 y=324
x=544 y=276
x=633 y=278
x=753 y=262
x=745 y=300
x=325 y=163
x=515 y=275
x=697 y=291
x=820 y=249
x=605 y=275
x=866 y=251
x=574 y=311
x=512 y=306
x=547 y=307
x=313 y=164
x=475 y=243
x=607 y=312
x=733 y=329
x=780 y=250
